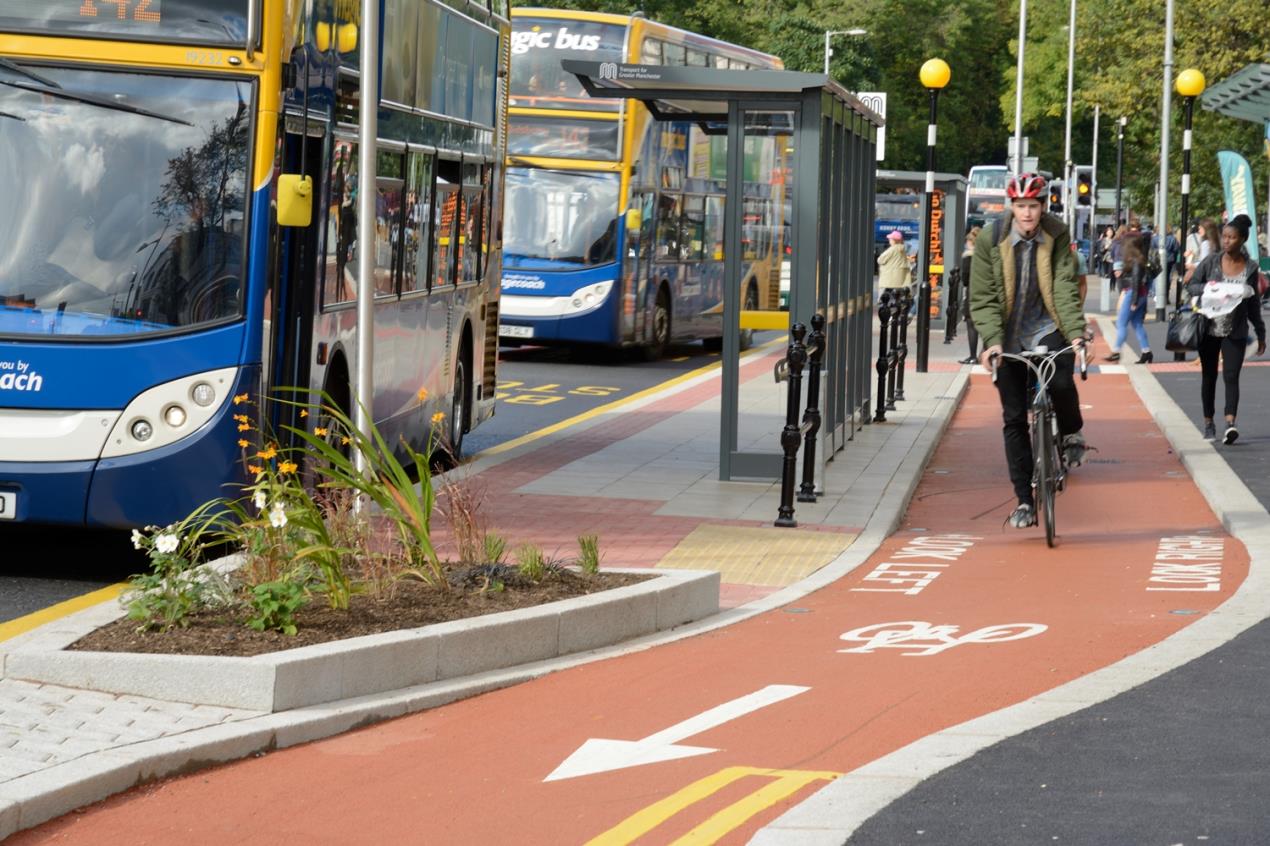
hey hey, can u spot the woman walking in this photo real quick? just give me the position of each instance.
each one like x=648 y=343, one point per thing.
x=1134 y=283
x=1224 y=289
x=972 y=335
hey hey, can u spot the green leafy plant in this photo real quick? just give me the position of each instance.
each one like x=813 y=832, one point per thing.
x=530 y=563
x=275 y=605
x=165 y=596
x=495 y=549
x=589 y=557
x=386 y=482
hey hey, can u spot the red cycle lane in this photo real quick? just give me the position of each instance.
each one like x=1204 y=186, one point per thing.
x=953 y=617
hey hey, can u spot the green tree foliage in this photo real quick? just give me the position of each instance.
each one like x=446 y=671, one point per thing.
x=1119 y=64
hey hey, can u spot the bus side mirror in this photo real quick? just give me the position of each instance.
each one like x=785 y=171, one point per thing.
x=295 y=200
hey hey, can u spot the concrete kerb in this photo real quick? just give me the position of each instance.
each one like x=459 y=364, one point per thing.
x=832 y=814
x=30 y=800
x=346 y=669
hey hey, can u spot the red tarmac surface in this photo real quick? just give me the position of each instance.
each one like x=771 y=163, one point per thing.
x=473 y=772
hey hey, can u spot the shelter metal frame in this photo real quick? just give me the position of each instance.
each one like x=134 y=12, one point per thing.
x=834 y=138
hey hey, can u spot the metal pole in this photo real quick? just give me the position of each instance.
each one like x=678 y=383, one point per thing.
x=827 y=33
x=923 y=263
x=1189 y=104
x=1069 y=214
x=1093 y=188
x=1119 y=164
x=1166 y=125
x=1018 y=92
x=367 y=135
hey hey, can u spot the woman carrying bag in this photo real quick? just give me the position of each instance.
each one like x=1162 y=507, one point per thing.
x=1224 y=288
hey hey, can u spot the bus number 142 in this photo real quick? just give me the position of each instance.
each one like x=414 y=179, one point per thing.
x=146 y=10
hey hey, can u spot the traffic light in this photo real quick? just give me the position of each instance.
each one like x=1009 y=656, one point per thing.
x=1084 y=186
x=1056 y=197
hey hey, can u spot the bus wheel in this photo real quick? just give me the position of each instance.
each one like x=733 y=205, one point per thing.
x=459 y=405
x=661 y=327
x=751 y=304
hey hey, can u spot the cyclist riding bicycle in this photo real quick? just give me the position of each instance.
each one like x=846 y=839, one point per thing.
x=1024 y=294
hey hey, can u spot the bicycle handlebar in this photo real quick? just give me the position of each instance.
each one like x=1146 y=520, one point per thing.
x=1046 y=359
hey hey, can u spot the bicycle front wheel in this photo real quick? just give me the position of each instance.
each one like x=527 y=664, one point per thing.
x=1046 y=473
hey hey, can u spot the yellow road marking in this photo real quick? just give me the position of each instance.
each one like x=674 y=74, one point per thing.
x=22 y=625
x=606 y=408
x=785 y=783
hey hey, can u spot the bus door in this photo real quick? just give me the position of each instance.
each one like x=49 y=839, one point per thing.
x=292 y=299
x=638 y=265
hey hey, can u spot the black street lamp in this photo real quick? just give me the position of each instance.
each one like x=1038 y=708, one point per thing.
x=1190 y=84
x=934 y=75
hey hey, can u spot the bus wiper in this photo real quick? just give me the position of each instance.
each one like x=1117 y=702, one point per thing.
x=18 y=69
x=93 y=101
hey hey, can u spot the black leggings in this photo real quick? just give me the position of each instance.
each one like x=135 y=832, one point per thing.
x=1232 y=352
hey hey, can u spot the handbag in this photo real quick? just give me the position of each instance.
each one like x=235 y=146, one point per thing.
x=1186 y=327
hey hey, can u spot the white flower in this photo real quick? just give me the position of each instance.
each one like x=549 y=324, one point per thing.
x=167 y=542
x=260 y=500
x=137 y=537
x=278 y=515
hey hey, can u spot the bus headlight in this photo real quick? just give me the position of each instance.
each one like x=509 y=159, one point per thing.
x=166 y=413
x=142 y=430
x=589 y=298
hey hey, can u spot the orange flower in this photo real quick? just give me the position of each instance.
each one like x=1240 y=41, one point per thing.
x=287 y=467
x=320 y=431
x=244 y=427
x=244 y=443
x=267 y=453
x=439 y=417
x=344 y=441
x=242 y=418
x=240 y=399
x=422 y=395
x=251 y=468
x=303 y=413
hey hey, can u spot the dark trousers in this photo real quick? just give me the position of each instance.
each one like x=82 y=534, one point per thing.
x=972 y=335
x=1232 y=352
x=1013 y=381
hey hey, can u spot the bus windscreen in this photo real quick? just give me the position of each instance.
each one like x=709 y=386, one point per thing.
x=133 y=199
x=177 y=21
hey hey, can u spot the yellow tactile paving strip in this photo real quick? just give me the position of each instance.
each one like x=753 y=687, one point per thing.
x=756 y=556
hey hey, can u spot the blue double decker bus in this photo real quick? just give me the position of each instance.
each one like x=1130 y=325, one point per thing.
x=147 y=280
x=614 y=221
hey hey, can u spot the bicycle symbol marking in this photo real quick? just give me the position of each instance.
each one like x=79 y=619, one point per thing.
x=930 y=639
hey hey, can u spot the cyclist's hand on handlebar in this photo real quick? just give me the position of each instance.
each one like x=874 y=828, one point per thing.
x=985 y=357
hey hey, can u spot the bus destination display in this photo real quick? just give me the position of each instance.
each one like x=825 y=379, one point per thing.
x=184 y=21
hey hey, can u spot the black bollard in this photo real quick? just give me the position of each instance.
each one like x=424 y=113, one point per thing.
x=791 y=435
x=906 y=305
x=952 y=304
x=884 y=318
x=893 y=355
x=811 y=415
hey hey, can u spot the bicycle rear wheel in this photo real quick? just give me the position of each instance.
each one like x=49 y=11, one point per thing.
x=1046 y=473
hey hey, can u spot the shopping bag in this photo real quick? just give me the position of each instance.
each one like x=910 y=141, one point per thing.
x=1186 y=327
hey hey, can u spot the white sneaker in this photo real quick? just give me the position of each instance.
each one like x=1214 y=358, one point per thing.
x=1232 y=435
x=1023 y=516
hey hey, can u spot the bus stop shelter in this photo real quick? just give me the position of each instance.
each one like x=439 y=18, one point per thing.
x=948 y=222
x=832 y=137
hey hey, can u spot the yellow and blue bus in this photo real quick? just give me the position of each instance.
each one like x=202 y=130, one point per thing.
x=614 y=221
x=146 y=279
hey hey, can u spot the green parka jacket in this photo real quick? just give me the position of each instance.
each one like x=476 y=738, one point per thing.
x=993 y=283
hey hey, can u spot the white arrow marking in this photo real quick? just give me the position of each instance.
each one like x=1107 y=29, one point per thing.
x=598 y=755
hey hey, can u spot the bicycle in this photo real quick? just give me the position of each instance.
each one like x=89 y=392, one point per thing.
x=1049 y=474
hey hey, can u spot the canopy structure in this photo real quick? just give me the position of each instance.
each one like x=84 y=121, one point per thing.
x=828 y=186
x=1244 y=95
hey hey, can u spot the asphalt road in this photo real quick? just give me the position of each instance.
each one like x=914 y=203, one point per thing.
x=537 y=387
